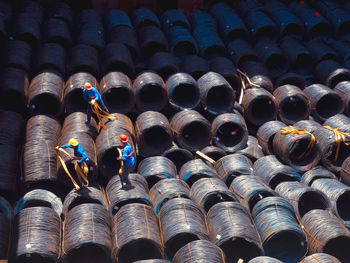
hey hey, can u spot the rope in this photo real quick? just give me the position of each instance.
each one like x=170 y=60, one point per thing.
x=96 y=109
x=339 y=137
x=244 y=78
x=121 y=169
x=292 y=130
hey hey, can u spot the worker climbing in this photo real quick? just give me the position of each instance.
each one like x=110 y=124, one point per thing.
x=127 y=160
x=81 y=165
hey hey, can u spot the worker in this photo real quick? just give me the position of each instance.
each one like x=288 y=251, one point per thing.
x=128 y=160
x=78 y=151
x=91 y=95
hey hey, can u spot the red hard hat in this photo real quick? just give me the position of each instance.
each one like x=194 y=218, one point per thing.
x=87 y=85
x=123 y=138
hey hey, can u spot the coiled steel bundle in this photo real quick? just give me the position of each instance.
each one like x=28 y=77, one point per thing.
x=342 y=47
x=11 y=134
x=293 y=104
x=142 y=17
x=231 y=228
x=17 y=54
x=136 y=234
x=117 y=92
x=183 y=91
x=26 y=28
x=252 y=150
x=45 y=94
x=6 y=11
x=320 y=257
x=173 y=17
x=153 y=133
x=61 y=10
x=250 y=190
x=57 y=31
x=181 y=221
x=50 y=56
x=329 y=72
x=76 y=123
x=83 y=58
x=278 y=228
x=9 y=169
x=150 y=92
x=195 y=66
x=118 y=197
x=73 y=92
x=167 y=189
x=178 y=156
x=264 y=259
x=326 y=234
x=33 y=8
x=266 y=134
x=339 y=121
x=258 y=74
x=291 y=78
x=343 y=89
x=37 y=235
x=194 y=170
x=128 y=37
x=164 y=63
x=318 y=172
x=43 y=127
x=152 y=40
x=321 y=51
x=214 y=152
x=230 y=132
x=308 y=125
x=259 y=106
x=261 y=26
x=6 y=215
x=116 y=18
x=156 y=168
x=233 y=165
x=191 y=129
x=152 y=261
x=241 y=51
x=181 y=42
x=302 y=197
x=345 y=171
x=95 y=244
x=199 y=251
x=207 y=192
x=338 y=193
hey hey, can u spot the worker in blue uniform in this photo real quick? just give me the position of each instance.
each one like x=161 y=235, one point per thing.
x=78 y=151
x=127 y=159
x=91 y=95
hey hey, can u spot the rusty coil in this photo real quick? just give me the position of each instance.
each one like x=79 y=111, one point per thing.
x=127 y=36
x=343 y=89
x=43 y=127
x=118 y=197
x=199 y=250
x=117 y=92
x=264 y=259
x=10 y=169
x=17 y=54
x=249 y=190
x=233 y=165
x=241 y=51
x=266 y=134
x=291 y=78
x=217 y=95
x=258 y=74
x=152 y=40
x=308 y=125
x=174 y=17
x=318 y=172
x=116 y=18
x=230 y=132
x=183 y=91
x=326 y=234
x=76 y=123
x=317 y=257
x=164 y=63
x=207 y=192
x=150 y=92
x=181 y=42
x=50 y=56
x=37 y=235
x=194 y=170
x=214 y=152
x=293 y=104
x=11 y=134
x=178 y=156
x=57 y=31
x=195 y=65
x=181 y=221
x=339 y=121
x=83 y=58
x=6 y=216
x=191 y=129
x=61 y=10
x=136 y=234
x=143 y=17
x=329 y=72
x=96 y=244
x=73 y=92
x=167 y=189
x=231 y=228
x=26 y=28
x=302 y=197
x=45 y=94
x=252 y=150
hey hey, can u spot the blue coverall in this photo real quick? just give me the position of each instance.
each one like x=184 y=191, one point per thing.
x=129 y=161
x=93 y=94
x=78 y=152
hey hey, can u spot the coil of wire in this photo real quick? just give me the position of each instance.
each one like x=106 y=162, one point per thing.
x=174 y=17
x=308 y=125
x=43 y=127
x=343 y=89
x=261 y=25
x=127 y=36
x=57 y=31
x=330 y=72
x=51 y=57
x=143 y=17
x=152 y=40
x=178 y=156
x=345 y=171
x=76 y=123
x=83 y=58
x=339 y=121
x=194 y=170
x=26 y=28
x=264 y=259
x=116 y=18
x=61 y=10
x=195 y=65
x=17 y=54
x=231 y=228
x=266 y=134
x=164 y=63
x=240 y=51
x=291 y=78
x=258 y=73
x=181 y=42
x=214 y=152
x=318 y=172
x=6 y=216
x=252 y=150
x=317 y=257
x=11 y=134
x=10 y=170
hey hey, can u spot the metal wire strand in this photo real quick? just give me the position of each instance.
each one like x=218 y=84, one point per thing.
x=327 y=234
x=178 y=156
x=136 y=234
x=181 y=221
x=264 y=259
x=320 y=257
x=266 y=133
x=118 y=197
x=278 y=228
x=6 y=216
x=316 y=173
x=207 y=192
x=199 y=251
x=43 y=127
x=87 y=234
x=168 y=189
x=196 y=169
x=252 y=150
x=231 y=228
x=76 y=123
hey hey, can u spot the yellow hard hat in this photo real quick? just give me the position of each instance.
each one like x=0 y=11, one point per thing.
x=73 y=142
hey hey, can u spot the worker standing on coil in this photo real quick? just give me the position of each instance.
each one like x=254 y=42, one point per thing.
x=127 y=161
x=93 y=97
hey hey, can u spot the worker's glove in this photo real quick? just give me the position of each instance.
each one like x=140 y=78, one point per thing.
x=57 y=147
x=92 y=102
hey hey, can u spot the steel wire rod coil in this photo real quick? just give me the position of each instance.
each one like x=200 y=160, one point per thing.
x=214 y=152
x=36 y=235
x=318 y=172
x=181 y=221
x=168 y=189
x=152 y=261
x=326 y=234
x=343 y=89
x=339 y=121
x=143 y=17
x=83 y=58
x=207 y=192
x=191 y=130
x=123 y=122
x=136 y=234
x=196 y=169
x=320 y=257
x=303 y=198
x=6 y=216
x=174 y=17
x=279 y=230
x=178 y=156
x=329 y=72
x=156 y=168
x=17 y=54
x=264 y=259
x=233 y=165
x=95 y=244
x=230 y=132
x=116 y=18
x=291 y=78
x=258 y=73
x=127 y=36
x=181 y=41
x=232 y=229
x=252 y=149
x=52 y=57
x=151 y=40
x=164 y=63
x=26 y=28
x=266 y=133
x=199 y=251
x=195 y=65
x=118 y=197
x=345 y=171
x=249 y=190
x=61 y=10
x=43 y=127
x=76 y=123
x=10 y=170
x=11 y=134
x=307 y=125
